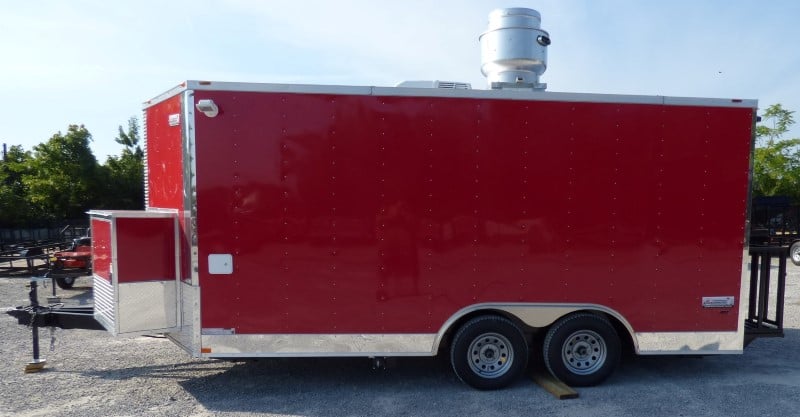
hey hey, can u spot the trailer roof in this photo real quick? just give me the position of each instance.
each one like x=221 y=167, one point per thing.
x=506 y=94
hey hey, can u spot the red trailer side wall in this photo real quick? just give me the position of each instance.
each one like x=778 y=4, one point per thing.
x=101 y=248
x=368 y=214
x=145 y=249
x=165 y=165
x=164 y=155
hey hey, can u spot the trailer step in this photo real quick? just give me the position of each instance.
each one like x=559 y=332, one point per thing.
x=554 y=386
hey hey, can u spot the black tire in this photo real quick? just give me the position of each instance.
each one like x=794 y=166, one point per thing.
x=65 y=282
x=489 y=352
x=582 y=349
x=794 y=253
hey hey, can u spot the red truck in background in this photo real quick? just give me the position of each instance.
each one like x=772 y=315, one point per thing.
x=66 y=265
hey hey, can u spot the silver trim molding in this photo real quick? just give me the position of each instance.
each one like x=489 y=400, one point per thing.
x=689 y=343
x=277 y=345
x=146 y=172
x=146 y=306
x=512 y=94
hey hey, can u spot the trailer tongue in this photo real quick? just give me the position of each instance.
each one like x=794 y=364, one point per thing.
x=54 y=315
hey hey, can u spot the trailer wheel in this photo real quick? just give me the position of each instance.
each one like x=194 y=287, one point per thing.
x=794 y=253
x=582 y=349
x=489 y=352
x=65 y=282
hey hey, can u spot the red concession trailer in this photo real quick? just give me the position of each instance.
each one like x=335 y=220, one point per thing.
x=300 y=220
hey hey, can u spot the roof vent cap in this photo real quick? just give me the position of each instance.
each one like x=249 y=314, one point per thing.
x=514 y=49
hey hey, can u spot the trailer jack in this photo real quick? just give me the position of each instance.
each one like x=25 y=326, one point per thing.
x=53 y=316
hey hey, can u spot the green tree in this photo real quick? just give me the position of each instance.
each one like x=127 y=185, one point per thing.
x=62 y=179
x=775 y=122
x=125 y=173
x=776 y=161
x=14 y=207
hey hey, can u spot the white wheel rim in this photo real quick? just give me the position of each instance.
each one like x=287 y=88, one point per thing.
x=490 y=355
x=584 y=352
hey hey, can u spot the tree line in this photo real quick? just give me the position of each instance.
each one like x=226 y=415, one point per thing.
x=776 y=159
x=60 y=179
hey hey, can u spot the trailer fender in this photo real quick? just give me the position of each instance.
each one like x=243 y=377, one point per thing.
x=536 y=315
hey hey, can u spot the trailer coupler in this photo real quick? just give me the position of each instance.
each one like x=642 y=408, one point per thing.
x=54 y=315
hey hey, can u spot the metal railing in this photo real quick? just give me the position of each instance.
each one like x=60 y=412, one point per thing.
x=30 y=258
x=765 y=311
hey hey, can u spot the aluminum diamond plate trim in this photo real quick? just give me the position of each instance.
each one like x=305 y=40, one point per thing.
x=147 y=306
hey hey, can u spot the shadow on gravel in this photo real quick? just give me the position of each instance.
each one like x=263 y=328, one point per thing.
x=328 y=387
x=176 y=371
x=764 y=356
x=412 y=386
x=79 y=294
x=322 y=387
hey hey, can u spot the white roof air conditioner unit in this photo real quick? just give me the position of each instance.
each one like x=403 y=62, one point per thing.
x=453 y=85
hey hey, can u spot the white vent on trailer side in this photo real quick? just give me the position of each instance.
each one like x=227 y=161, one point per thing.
x=452 y=85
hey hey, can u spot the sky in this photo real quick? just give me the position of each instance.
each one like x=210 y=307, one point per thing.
x=95 y=62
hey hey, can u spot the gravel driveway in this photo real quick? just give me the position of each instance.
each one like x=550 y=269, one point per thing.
x=90 y=373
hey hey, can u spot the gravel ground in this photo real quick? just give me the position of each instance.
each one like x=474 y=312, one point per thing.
x=90 y=373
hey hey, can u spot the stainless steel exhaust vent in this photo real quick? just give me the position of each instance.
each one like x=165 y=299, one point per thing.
x=514 y=49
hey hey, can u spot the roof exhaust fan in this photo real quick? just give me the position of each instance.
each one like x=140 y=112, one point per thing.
x=514 y=49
